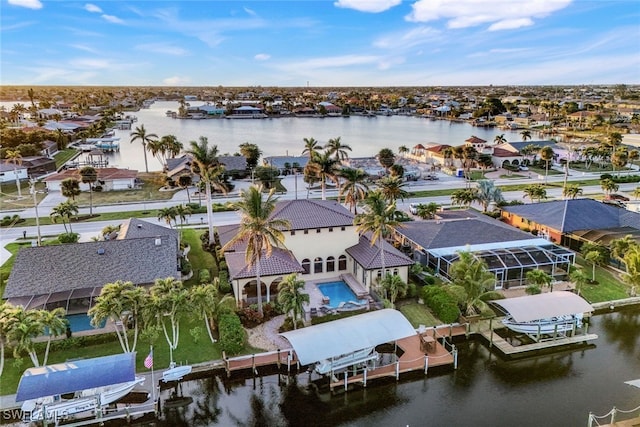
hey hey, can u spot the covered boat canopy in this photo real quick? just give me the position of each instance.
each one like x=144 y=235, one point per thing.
x=543 y=306
x=69 y=377
x=344 y=336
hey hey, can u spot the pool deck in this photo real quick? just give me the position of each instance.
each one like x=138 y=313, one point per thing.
x=316 y=296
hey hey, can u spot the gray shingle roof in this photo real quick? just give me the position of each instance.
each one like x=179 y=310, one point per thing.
x=472 y=231
x=45 y=269
x=281 y=262
x=577 y=214
x=307 y=214
x=233 y=162
x=368 y=256
x=519 y=145
x=134 y=228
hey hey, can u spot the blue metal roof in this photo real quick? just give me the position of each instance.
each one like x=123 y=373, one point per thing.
x=77 y=375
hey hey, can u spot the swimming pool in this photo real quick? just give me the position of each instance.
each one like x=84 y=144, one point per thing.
x=80 y=322
x=338 y=292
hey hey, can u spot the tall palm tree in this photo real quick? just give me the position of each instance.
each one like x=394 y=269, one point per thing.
x=526 y=135
x=386 y=158
x=380 y=219
x=140 y=133
x=64 y=211
x=472 y=283
x=205 y=164
x=207 y=303
x=337 y=148
x=56 y=323
x=169 y=300
x=487 y=193
x=500 y=139
x=26 y=326
x=392 y=188
x=609 y=186
x=571 y=191
x=89 y=175
x=539 y=278
x=70 y=188
x=324 y=167
x=185 y=181
x=535 y=192
x=311 y=147
x=546 y=154
x=258 y=230
x=14 y=156
x=291 y=297
x=6 y=324
x=394 y=287
x=632 y=263
x=167 y=214
x=353 y=187
x=464 y=196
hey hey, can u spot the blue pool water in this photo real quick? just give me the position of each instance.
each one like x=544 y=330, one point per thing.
x=80 y=322
x=338 y=292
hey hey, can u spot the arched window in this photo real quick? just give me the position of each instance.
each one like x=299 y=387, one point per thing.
x=342 y=262
x=331 y=264
x=395 y=271
x=306 y=265
x=317 y=265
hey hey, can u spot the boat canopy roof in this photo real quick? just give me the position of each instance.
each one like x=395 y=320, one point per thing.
x=344 y=336
x=543 y=306
x=77 y=375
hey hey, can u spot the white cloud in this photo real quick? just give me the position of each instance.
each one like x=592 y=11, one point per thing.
x=502 y=14
x=84 y=48
x=176 y=81
x=162 y=48
x=250 y=11
x=262 y=57
x=372 y=6
x=407 y=39
x=92 y=8
x=29 y=4
x=112 y=19
x=90 y=64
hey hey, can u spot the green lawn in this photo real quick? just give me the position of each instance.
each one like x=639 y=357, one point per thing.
x=63 y=156
x=608 y=288
x=417 y=314
x=198 y=257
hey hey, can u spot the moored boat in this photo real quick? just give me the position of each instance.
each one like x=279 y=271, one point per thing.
x=175 y=373
x=554 y=325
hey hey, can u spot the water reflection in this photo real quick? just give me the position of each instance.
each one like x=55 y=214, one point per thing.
x=556 y=389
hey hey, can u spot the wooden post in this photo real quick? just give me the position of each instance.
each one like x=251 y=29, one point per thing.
x=491 y=332
x=426 y=364
x=364 y=375
x=455 y=357
x=278 y=359
x=613 y=415
x=450 y=330
x=467 y=330
x=397 y=370
x=345 y=380
x=289 y=356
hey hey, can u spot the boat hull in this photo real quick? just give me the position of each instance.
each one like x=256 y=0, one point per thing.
x=176 y=373
x=545 y=326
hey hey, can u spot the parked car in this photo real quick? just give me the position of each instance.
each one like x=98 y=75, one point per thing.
x=617 y=203
x=431 y=177
x=413 y=208
x=617 y=197
x=523 y=168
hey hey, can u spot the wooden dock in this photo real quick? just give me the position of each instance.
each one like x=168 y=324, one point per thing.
x=251 y=362
x=506 y=348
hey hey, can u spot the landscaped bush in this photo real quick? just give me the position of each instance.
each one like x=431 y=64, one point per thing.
x=205 y=276
x=232 y=334
x=287 y=325
x=68 y=238
x=332 y=317
x=225 y=286
x=185 y=266
x=10 y=220
x=443 y=305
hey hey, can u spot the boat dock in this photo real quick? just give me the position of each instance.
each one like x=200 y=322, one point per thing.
x=251 y=362
x=505 y=347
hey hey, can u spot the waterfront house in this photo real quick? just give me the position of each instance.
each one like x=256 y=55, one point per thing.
x=322 y=244
x=508 y=252
x=574 y=222
x=108 y=178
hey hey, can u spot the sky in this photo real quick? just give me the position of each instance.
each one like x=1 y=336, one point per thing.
x=319 y=43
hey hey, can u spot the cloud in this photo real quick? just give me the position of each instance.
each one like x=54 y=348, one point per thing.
x=84 y=48
x=501 y=14
x=162 y=48
x=29 y=4
x=112 y=19
x=92 y=8
x=250 y=11
x=371 y=6
x=262 y=57
x=407 y=39
x=176 y=81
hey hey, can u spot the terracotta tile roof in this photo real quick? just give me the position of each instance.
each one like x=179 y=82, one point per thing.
x=438 y=148
x=281 y=262
x=475 y=140
x=501 y=152
x=368 y=256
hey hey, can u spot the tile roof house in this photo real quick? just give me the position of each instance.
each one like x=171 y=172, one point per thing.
x=508 y=252
x=575 y=221
x=321 y=244
x=64 y=275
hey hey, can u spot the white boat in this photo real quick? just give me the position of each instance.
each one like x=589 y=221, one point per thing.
x=175 y=373
x=337 y=363
x=554 y=325
x=86 y=400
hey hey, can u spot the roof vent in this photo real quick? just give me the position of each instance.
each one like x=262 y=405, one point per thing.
x=158 y=241
x=101 y=251
x=139 y=225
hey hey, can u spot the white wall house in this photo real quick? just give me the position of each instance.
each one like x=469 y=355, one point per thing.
x=109 y=179
x=8 y=173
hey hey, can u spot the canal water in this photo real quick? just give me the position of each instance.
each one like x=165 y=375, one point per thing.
x=558 y=389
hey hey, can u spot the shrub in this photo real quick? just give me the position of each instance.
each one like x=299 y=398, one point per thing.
x=412 y=290
x=68 y=238
x=232 y=334
x=250 y=317
x=205 y=276
x=11 y=220
x=533 y=290
x=443 y=305
x=185 y=266
x=287 y=325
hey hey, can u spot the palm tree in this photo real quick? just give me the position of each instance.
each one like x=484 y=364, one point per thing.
x=324 y=167
x=571 y=191
x=26 y=325
x=619 y=158
x=169 y=300
x=167 y=214
x=311 y=147
x=184 y=182
x=258 y=230
x=535 y=192
x=526 y=135
x=472 y=284
x=632 y=264
x=487 y=193
x=500 y=139
x=354 y=187
x=546 y=154
x=145 y=138
x=386 y=158
x=608 y=186
x=14 y=156
x=64 y=211
x=427 y=211
x=337 y=148
x=205 y=164
x=207 y=303
x=394 y=287
x=595 y=257
x=464 y=196
x=6 y=324
x=539 y=278
x=392 y=188
x=403 y=150
x=379 y=219
x=89 y=175
x=116 y=301
x=619 y=247
x=579 y=277
x=56 y=323
x=181 y=212
x=70 y=188
x=291 y=297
